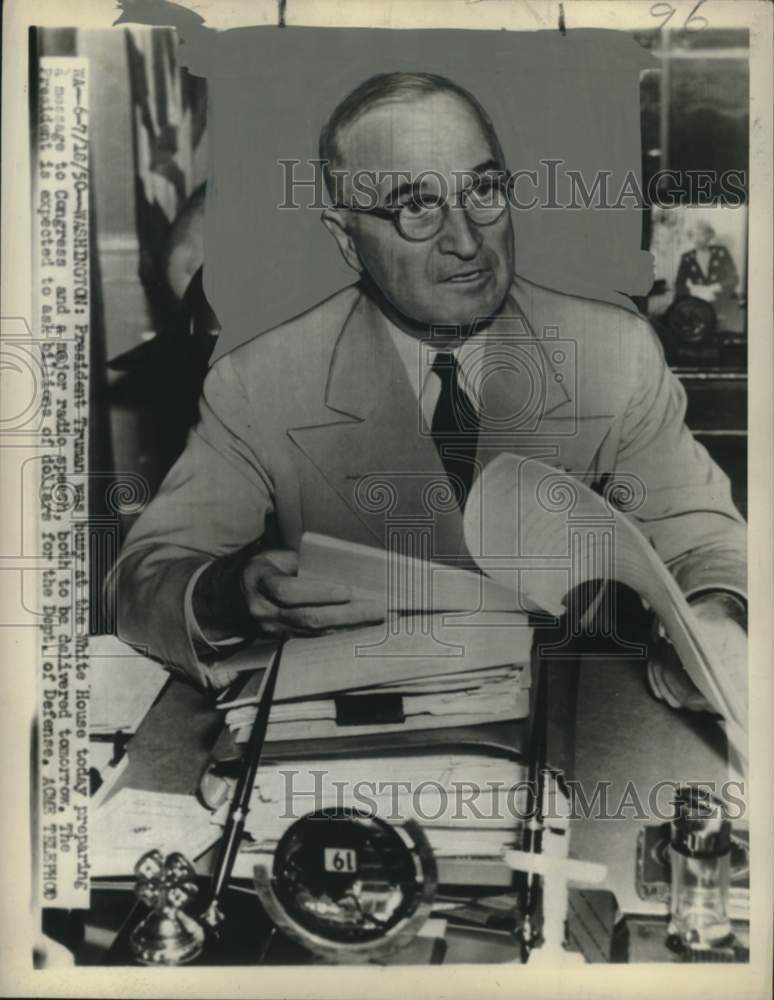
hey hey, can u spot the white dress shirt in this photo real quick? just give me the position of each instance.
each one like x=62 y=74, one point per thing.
x=418 y=357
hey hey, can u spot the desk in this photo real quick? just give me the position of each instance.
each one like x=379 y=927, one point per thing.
x=622 y=737
x=626 y=738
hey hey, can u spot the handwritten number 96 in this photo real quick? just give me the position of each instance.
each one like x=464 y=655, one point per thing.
x=694 y=21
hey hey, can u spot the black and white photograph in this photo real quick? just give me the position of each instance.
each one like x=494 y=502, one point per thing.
x=387 y=460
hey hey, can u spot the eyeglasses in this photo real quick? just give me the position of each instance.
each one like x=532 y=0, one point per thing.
x=423 y=216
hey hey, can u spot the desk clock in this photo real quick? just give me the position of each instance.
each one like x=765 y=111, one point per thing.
x=348 y=886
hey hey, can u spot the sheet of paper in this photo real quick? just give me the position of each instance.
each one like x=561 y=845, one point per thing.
x=470 y=844
x=501 y=699
x=247 y=694
x=124 y=685
x=465 y=681
x=101 y=754
x=439 y=768
x=472 y=794
x=367 y=570
x=365 y=657
x=324 y=729
x=135 y=821
x=478 y=689
x=257 y=656
x=534 y=546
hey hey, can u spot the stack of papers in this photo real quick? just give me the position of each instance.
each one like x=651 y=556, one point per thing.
x=471 y=806
x=448 y=671
x=442 y=791
x=460 y=659
x=488 y=695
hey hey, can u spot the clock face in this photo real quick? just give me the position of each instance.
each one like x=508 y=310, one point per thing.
x=346 y=876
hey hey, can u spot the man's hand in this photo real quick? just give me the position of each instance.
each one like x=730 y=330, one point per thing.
x=283 y=604
x=723 y=634
x=260 y=593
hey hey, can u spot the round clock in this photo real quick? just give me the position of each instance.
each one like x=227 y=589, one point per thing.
x=345 y=883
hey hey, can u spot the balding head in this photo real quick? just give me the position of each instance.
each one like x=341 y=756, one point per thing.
x=389 y=89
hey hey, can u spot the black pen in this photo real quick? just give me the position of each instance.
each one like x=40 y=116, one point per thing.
x=240 y=803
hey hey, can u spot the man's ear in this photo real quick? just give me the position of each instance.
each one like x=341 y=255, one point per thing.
x=336 y=225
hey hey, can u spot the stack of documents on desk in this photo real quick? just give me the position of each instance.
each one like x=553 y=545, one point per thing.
x=469 y=804
x=491 y=694
x=454 y=654
x=359 y=684
x=445 y=671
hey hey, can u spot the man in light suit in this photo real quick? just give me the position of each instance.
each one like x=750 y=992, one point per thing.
x=310 y=426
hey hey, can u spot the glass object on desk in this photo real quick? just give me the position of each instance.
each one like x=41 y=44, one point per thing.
x=699 y=852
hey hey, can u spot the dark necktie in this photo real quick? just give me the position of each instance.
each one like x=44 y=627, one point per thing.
x=455 y=427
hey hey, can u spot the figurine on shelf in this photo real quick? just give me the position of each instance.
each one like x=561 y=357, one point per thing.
x=708 y=271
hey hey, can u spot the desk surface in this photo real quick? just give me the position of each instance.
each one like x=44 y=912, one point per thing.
x=624 y=741
x=632 y=742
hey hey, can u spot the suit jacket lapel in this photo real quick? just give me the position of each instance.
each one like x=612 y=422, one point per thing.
x=371 y=448
x=370 y=444
x=531 y=401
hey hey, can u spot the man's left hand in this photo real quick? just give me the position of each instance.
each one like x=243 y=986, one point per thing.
x=725 y=637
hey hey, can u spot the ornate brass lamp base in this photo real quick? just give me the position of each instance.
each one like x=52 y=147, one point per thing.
x=168 y=935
